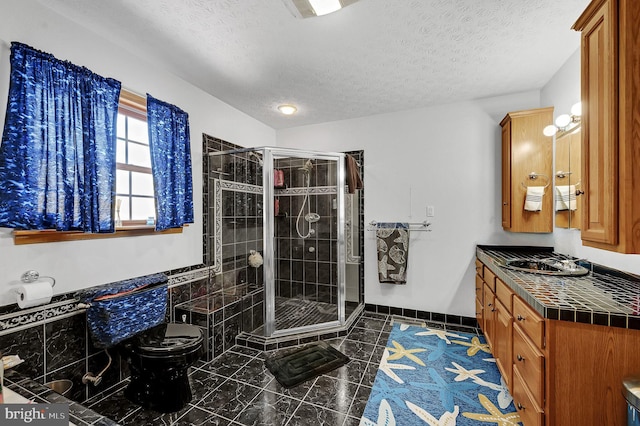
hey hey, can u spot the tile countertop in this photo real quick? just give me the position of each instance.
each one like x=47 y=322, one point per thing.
x=603 y=297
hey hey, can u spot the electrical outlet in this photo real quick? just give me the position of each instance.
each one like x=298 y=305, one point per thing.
x=430 y=211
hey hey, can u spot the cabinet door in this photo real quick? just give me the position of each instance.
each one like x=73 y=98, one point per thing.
x=600 y=126
x=503 y=342
x=489 y=314
x=506 y=175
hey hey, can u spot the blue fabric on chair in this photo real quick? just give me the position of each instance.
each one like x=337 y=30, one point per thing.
x=171 y=163
x=57 y=158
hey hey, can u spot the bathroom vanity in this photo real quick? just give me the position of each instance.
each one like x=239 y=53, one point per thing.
x=562 y=343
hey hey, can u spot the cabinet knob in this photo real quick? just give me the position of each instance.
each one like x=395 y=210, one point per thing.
x=521 y=318
x=520 y=358
x=579 y=192
x=505 y=204
x=520 y=406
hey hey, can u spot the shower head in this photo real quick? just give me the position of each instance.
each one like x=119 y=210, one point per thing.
x=257 y=156
x=308 y=166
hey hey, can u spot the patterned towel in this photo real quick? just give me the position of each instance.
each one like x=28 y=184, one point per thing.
x=393 y=250
x=533 y=201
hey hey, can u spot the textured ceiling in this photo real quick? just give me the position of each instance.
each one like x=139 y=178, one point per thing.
x=375 y=56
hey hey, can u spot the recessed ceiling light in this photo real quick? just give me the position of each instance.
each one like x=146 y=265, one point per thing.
x=311 y=8
x=287 y=109
x=323 y=7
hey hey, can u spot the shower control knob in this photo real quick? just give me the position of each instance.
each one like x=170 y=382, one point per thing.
x=312 y=249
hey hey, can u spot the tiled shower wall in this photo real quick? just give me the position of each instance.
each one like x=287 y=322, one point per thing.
x=307 y=268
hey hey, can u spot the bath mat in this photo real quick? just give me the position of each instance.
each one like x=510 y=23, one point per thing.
x=437 y=377
x=294 y=367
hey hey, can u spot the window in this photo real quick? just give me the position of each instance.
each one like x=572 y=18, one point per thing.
x=134 y=181
x=135 y=203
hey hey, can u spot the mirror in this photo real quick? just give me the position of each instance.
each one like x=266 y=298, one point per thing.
x=567 y=179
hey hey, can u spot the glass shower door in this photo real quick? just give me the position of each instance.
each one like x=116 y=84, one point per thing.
x=304 y=240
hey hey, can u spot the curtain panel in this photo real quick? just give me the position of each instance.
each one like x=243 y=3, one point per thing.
x=170 y=163
x=57 y=158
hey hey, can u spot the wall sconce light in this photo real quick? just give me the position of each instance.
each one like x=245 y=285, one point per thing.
x=565 y=122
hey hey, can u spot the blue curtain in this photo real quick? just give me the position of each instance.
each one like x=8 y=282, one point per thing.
x=170 y=163
x=57 y=158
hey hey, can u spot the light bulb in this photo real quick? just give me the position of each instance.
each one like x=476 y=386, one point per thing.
x=287 y=109
x=550 y=130
x=576 y=109
x=563 y=121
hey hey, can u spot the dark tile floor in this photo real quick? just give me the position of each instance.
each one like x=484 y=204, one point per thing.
x=237 y=389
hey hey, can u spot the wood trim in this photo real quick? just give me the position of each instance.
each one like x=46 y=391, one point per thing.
x=588 y=14
x=132 y=105
x=51 y=236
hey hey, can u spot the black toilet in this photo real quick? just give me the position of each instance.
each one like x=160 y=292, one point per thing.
x=159 y=359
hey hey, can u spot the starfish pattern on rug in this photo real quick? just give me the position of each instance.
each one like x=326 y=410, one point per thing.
x=385 y=416
x=475 y=346
x=447 y=390
x=495 y=415
x=399 y=351
x=386 y=392
x=442 y=334
x=388 y=368
x=442 y=349
x=446 y=419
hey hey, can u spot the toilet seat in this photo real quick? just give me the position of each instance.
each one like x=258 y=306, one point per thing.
x=168 y=339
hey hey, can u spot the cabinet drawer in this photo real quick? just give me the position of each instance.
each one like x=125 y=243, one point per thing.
x=490 y=279
x=530 y=413
x=529 y=362
x=479 y=268
x=530 y=321
x=504 y=294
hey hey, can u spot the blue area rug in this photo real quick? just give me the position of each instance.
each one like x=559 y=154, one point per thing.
x=428 y=376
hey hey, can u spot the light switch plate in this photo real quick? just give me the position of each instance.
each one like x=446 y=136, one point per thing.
x=431 y=211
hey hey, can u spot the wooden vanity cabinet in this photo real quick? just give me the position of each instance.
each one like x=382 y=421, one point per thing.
x=526 y=150
x=560 y=372
x=610 y=62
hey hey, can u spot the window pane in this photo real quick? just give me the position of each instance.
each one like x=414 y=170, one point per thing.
x=138 y=130
x=143 y=208
x=124 y=208
x=141 y=184
x=121 y=155
x=121 y=128
x=122 y=182
x=139 y=155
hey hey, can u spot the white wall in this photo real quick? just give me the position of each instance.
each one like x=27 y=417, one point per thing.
x=562 y=91
x=447 y=156
x=88 y=263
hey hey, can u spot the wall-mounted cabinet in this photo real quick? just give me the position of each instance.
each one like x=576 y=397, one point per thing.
x=610 y=84
x=527 y=160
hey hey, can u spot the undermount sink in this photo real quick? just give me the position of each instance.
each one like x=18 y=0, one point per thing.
x=546 y=267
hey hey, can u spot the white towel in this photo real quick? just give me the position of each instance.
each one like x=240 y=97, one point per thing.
x=566 y=197
x=533 y=201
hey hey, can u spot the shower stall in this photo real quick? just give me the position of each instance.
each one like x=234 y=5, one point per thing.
x=288 y=206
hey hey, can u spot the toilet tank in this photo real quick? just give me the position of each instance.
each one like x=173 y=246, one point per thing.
x=122 y=309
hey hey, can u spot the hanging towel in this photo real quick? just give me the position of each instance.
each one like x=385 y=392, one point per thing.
x=533 y=201
x=353 y=175
x=393 y=249
x=566 y=197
